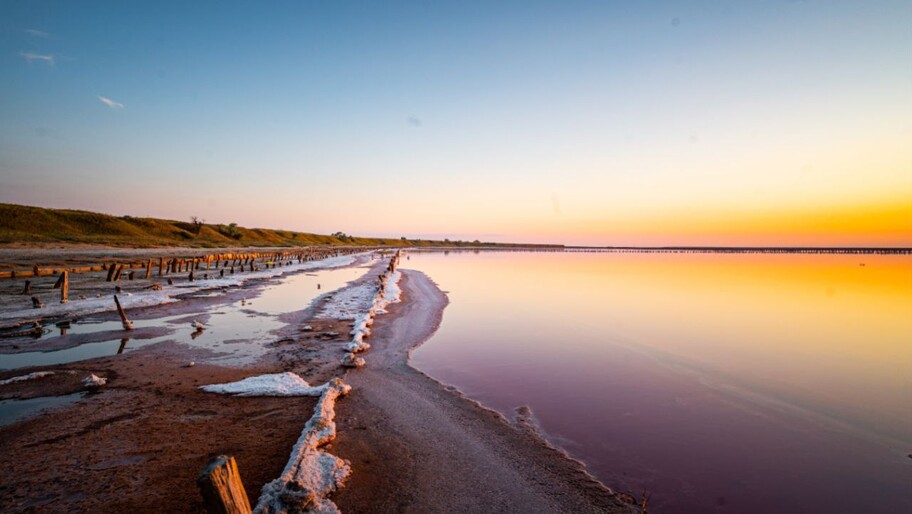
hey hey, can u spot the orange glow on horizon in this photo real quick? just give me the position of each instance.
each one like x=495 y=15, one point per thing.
x=866 y=224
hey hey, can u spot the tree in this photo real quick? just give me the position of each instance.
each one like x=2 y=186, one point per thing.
x=197 y=223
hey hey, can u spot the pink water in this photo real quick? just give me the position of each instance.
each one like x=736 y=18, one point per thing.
x=714 y=383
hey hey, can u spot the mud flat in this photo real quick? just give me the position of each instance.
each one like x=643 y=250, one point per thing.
x=139 y=443
x=419 y=446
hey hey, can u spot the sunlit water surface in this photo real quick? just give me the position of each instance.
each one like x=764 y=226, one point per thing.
x=713 y=382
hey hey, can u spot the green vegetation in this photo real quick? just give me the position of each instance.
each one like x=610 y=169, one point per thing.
x=25 y=224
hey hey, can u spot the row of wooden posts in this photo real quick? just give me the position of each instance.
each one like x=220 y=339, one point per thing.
x=220 y=262
x=177 y=264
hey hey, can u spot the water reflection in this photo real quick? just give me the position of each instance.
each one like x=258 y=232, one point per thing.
x=237 y=332
x=708 y=380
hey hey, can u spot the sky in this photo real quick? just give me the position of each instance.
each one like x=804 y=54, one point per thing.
x=589 y=123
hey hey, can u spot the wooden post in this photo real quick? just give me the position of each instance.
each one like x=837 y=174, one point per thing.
x=110 y=276
x=161 y=265
x=28 y=288
x=118 y=273
x=149 y=269
x=131 y=275
x=123 y=315
x=221 y=487
x=65 y=286
x=36 y=303
x=191 y=276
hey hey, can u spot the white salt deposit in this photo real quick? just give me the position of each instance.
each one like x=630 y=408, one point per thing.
x=349 y=360
x=391 y=293
x=94 y=381
x=311 y=474
x=347 y=303
x=23 y=378
x=276 y=384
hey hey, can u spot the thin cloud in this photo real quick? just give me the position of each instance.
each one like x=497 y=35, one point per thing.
x=38 y=33
x=415 y=121
x=110 y=103
x=31 y=57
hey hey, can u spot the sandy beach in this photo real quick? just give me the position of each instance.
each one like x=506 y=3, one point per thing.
x=414 y=444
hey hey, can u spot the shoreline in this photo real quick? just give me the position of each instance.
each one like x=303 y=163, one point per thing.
x=451 y=453
x=431 y=449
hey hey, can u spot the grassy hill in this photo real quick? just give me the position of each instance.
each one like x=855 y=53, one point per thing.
x=25 y=224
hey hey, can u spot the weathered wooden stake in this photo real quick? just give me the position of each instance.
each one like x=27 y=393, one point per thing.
x=221 y=487
x=191 y=276
x=149 y=269
x=123 y=315
x=110 y=276
x=36 y=303
x=118 y=273
x=28 y=288
x=65 y=286
x=161 y=265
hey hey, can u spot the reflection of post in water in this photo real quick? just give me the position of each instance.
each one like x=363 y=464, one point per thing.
x=195 y=334
x=123 y=345
x=64 y=326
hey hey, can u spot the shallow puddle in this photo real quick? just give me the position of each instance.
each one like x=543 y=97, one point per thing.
x=12 y=411
x=237 y=332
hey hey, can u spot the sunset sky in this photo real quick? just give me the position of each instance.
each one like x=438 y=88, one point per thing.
x=597 y=123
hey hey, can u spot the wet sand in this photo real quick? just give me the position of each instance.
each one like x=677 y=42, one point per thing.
x=138 y=445
x=418 y=446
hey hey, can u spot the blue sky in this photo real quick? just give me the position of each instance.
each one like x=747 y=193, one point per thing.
x=506 y=120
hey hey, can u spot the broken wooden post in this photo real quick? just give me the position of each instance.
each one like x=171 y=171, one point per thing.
x=123 y=315
x=161 y=265
x=64 y=286
x=221 y=487
x=36 y=303
x=149 y=269
x=191 y=276
x=111 y=269
x=118 y=273
x=131 y=275
x=28 y=288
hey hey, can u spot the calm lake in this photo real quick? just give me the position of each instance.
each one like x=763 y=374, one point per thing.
x=713 y=382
